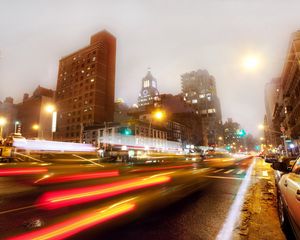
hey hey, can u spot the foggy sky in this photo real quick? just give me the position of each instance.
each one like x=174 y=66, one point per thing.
x=171 y=37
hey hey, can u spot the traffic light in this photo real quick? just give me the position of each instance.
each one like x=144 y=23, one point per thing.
x=241 y=133
x=125 y=131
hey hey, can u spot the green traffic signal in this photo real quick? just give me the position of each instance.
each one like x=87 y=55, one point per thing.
x=126 y=131
x=241 y=133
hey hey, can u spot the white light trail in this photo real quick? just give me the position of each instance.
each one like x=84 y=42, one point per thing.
x=234 y=212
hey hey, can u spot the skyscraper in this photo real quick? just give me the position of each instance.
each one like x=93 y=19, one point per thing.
x=149 y=93
x=199 y=89
x=85 y=87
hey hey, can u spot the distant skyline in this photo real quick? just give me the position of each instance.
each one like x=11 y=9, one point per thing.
x=170 y=37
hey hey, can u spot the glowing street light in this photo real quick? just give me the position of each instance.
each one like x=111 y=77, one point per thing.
x=16 y=125
x=35 y=127
x=261 y=126
x=50 y=108
x=261 y=139
x=251 y=62
x=3 y=122
x=157 y=115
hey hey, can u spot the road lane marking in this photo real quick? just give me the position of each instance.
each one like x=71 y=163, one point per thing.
x=17 y=209
x=221 y=177
x=240 y=172
x=219 y=170
x=226 y=232
x=229 y=171
x=265 y=173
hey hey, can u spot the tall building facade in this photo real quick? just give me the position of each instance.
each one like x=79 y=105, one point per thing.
x=272 y=89
x=149 y=94
x=200 y=91
x=286 y=114
x=86 y=87
x=230 y=132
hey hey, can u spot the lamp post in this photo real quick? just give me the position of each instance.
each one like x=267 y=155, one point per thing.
x=36 y=128
x=157 y=115
x=16 y=125
x=51 y=109
x=3 y=121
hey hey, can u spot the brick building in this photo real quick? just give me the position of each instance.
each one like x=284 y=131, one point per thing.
x=85 y=87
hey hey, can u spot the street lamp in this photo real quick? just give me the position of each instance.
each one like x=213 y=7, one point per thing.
x=16 y=125
x=51 y=109
x=3 y=121
x=35 y=127
x=261 y=126
x=251 y=62
x=157 y=115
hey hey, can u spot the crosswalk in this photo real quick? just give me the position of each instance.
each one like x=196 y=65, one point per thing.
x=231 y=171
x=241 y=172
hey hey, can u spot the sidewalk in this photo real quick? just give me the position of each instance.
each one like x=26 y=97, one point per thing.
x=259 y=217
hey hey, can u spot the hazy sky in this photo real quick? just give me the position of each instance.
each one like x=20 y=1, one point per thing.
x=171 y=37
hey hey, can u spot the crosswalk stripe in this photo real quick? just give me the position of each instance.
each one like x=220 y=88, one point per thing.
x=240 y=172
x=229 y=171
x=219 y=170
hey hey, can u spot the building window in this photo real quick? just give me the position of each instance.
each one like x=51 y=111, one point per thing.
x=194 y=101
x=146 y=83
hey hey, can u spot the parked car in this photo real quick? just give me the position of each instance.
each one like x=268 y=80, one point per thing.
x=288 y=186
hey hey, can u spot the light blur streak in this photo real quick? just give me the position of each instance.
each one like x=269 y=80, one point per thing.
x=161 y=168
x=21 y=171
x=76 y=177
x=62 y=198
x=53 y=146
x=234 y=212
x=75 y=225
x=143 y=143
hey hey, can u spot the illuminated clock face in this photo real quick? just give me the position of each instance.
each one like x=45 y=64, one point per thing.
x=145 y=92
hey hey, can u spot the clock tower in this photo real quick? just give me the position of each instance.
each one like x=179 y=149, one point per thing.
x=149 y=93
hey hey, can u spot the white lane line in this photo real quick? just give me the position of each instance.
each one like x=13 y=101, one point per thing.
x=229 y=171
x=221 y=177
x=265 y=173
x=234 y=212
x=219 y=170
x=17 y=209
x=240 y=172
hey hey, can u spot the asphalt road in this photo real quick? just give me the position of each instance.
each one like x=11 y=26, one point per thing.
x=199 y=216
